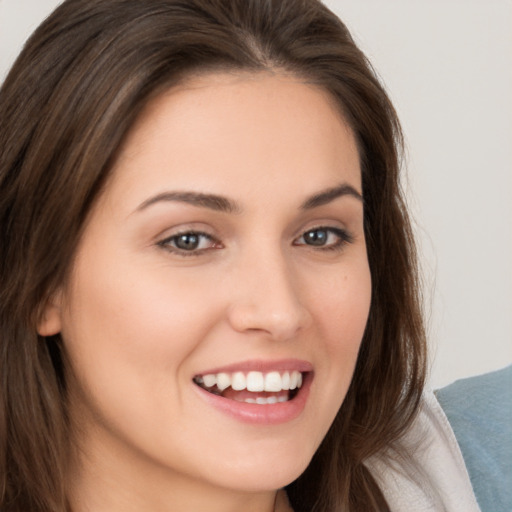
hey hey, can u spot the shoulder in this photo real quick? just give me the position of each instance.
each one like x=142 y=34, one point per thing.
x=425 y=471
x=479 y=410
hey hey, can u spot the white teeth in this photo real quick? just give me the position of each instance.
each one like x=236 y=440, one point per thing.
x=223 y=381
x=273 y=382
x=256 y=382
x=238 y=381
x=264 y=401
x=210 y=380
x=294 y=380
x=268 y=400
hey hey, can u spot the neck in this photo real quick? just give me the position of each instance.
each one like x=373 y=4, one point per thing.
x=100 y=495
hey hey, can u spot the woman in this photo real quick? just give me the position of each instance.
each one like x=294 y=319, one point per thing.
x=209 y=286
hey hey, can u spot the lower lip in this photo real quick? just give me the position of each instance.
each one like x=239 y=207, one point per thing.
x=261 y=414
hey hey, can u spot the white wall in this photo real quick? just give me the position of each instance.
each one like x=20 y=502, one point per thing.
x=448 y=67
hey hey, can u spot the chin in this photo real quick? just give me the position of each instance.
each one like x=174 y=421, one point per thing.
x=263 y=470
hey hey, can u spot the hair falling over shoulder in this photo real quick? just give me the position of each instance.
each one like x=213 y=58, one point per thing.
x=66 y=105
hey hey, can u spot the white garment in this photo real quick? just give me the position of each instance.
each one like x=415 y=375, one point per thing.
x=434 y=477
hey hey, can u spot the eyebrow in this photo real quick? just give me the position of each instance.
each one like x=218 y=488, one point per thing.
x=326 y=196
x=211 y=201
x=223 y=204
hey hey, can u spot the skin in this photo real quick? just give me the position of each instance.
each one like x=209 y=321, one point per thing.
x=139 y=319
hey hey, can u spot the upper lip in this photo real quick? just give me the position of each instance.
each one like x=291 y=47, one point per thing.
x=261 y=365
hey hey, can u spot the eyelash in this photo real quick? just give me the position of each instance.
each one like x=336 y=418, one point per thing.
x=343 y=236
x=169 y=243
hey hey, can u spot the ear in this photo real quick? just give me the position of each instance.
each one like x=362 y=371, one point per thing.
x=50 y=319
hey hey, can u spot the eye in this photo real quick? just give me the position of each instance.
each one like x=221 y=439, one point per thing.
x=325 y=238
x=191 y=242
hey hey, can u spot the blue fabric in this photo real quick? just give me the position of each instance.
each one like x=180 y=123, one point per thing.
x=480 y=412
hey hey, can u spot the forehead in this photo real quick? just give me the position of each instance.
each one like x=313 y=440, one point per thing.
x=212 y=129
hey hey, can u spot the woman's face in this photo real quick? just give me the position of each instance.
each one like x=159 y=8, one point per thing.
x=225 y=256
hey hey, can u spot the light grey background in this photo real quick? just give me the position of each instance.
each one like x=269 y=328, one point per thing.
x=448 y=67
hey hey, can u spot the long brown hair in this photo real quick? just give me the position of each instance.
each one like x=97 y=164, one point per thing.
x=65 y=107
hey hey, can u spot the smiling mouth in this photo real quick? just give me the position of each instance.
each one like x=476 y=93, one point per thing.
x=253 y=387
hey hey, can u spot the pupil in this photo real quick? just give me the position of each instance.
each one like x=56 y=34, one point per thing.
x=187 y=241
x=316 y=237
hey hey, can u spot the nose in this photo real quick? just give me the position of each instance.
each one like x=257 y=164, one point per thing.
x=267 y=299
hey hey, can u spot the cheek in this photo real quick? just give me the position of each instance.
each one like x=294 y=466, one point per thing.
x=131 y=327
x=341 y=310
x=145 y=306
x=342 y=305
